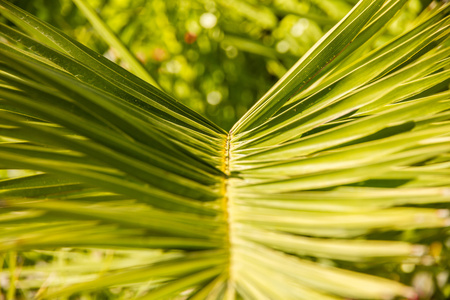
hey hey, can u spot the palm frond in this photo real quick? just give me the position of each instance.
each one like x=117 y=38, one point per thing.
x=349 y=143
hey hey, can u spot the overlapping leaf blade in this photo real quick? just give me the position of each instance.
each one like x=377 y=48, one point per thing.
x=338 y=160
x=92 y=135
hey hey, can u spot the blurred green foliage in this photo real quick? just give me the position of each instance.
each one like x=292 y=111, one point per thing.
x=200 y=51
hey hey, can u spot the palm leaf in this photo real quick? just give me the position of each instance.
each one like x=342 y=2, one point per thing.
x=350 y=142
x=114 y=41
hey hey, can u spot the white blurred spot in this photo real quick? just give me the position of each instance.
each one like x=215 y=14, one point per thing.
x=214 y=97
x=299 y=27
x=4 y=281
x=423 y=284
x=173 y=67
x=443 y=213
x=419 y=250
x=408 y=268
x=208 y=20
x=427 y=260
x=282 y=46
x=442 y=278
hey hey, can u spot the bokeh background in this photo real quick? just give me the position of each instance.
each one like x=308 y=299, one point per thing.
x=218 y=57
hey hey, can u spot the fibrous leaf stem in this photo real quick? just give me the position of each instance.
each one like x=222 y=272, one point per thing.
x=228 y=216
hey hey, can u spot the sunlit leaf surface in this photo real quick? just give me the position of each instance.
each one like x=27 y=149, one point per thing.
x=131 y=194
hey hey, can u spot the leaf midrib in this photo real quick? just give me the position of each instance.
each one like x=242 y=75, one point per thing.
x=227 y=209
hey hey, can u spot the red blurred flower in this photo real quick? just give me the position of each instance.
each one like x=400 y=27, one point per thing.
x=190 y=37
